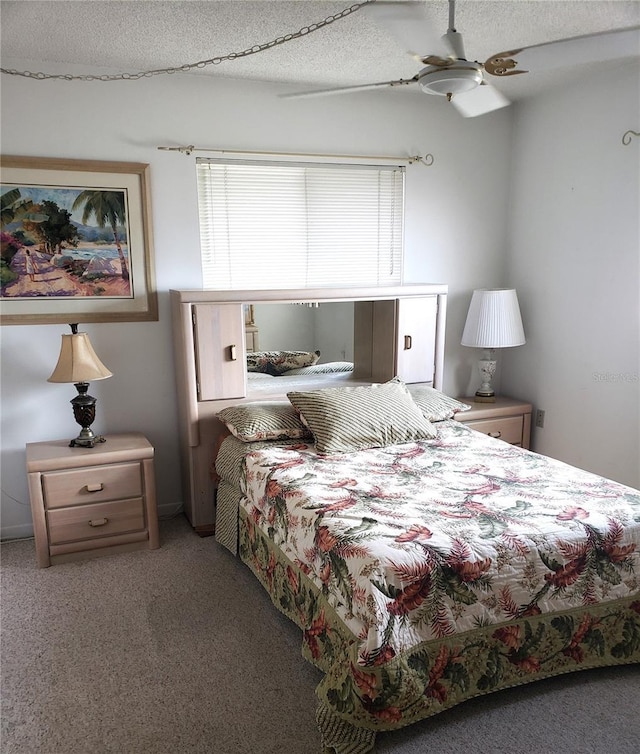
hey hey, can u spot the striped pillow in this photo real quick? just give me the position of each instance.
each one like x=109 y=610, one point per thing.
x=346 y=419
x=270 y=420
x=435 y=405
x=329 y=367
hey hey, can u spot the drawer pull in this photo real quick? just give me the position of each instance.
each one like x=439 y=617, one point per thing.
x=98 y=521
x=232 y=353
x=96 y=487
x=408 y=342
x=495 y=434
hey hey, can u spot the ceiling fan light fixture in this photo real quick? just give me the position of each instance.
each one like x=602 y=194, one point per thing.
x=448 y=82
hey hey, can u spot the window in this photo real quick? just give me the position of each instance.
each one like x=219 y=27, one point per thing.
x=293 y=225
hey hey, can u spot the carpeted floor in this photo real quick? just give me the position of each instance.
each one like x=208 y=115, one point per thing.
x=180 y=650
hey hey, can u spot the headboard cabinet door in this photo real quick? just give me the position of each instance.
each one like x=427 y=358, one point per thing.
x=220 y=351
x=397 y=337
x=416 y=338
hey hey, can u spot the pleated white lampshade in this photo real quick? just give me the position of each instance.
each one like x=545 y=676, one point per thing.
x=493 y=320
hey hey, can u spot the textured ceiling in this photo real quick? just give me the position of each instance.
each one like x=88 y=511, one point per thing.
x=136 y=35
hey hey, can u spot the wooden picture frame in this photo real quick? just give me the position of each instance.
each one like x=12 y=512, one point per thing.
x=76 y=242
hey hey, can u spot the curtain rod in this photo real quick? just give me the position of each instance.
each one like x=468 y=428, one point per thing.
x=426 y=160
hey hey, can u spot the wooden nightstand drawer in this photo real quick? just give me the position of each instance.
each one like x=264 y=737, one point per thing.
x=86 y=522
x=508 y=428
x=92 y=485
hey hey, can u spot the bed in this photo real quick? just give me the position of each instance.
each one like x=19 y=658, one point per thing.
x=397 y=330
x=426 y=572
x=425 y=563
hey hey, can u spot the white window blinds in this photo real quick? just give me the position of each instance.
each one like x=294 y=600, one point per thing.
x=293 y=225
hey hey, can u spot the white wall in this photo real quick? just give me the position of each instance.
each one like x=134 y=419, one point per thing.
x=574 y=255
x=455 y=228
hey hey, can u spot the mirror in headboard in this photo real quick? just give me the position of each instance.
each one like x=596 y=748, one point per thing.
x=326 y=327
x=303 y=345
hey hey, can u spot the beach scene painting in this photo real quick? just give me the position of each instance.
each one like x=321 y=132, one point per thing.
x=76 y=242
x=64 y=242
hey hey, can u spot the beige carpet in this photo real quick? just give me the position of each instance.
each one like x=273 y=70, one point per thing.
x=180 y=650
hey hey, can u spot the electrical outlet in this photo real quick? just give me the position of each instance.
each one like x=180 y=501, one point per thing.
x=539 y=418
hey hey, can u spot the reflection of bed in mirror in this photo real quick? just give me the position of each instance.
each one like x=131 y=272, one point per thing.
x=363 y=335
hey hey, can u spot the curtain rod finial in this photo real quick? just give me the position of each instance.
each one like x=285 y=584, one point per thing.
x=426 y=160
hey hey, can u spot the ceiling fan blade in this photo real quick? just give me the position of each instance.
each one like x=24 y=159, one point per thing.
x=345 y=89
x=483 y=99
x=591 y=48
x=410 y=24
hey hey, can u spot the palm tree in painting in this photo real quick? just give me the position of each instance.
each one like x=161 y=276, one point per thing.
x=15 y=207
x=109 y=209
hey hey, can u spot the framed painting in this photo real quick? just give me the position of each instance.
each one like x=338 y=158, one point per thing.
x=76 y=242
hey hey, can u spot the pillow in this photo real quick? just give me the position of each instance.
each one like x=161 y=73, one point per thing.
x=278 y=362
x=271 y=420
x=435 y=405
x=345 y=419
x=331 y=367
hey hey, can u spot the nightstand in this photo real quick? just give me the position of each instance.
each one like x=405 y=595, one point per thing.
x=507 y=419
x=92 y=501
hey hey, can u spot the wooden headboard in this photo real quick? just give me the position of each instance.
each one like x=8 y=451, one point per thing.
x=397 y=331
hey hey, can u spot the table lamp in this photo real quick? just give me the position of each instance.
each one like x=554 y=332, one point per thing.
x=493 y=321
x=78 y=363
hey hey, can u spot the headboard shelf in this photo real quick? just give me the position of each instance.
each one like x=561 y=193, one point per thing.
x=306 y=295
x=397 y=330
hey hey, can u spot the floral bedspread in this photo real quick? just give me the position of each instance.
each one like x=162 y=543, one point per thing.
x=427 y=573
x=420 y=541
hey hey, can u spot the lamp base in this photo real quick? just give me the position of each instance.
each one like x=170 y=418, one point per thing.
x=487 y=367
x=483 y=398
x=86 y=440
x=84 y=412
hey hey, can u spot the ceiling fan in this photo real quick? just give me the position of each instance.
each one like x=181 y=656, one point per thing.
x=448 y=73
